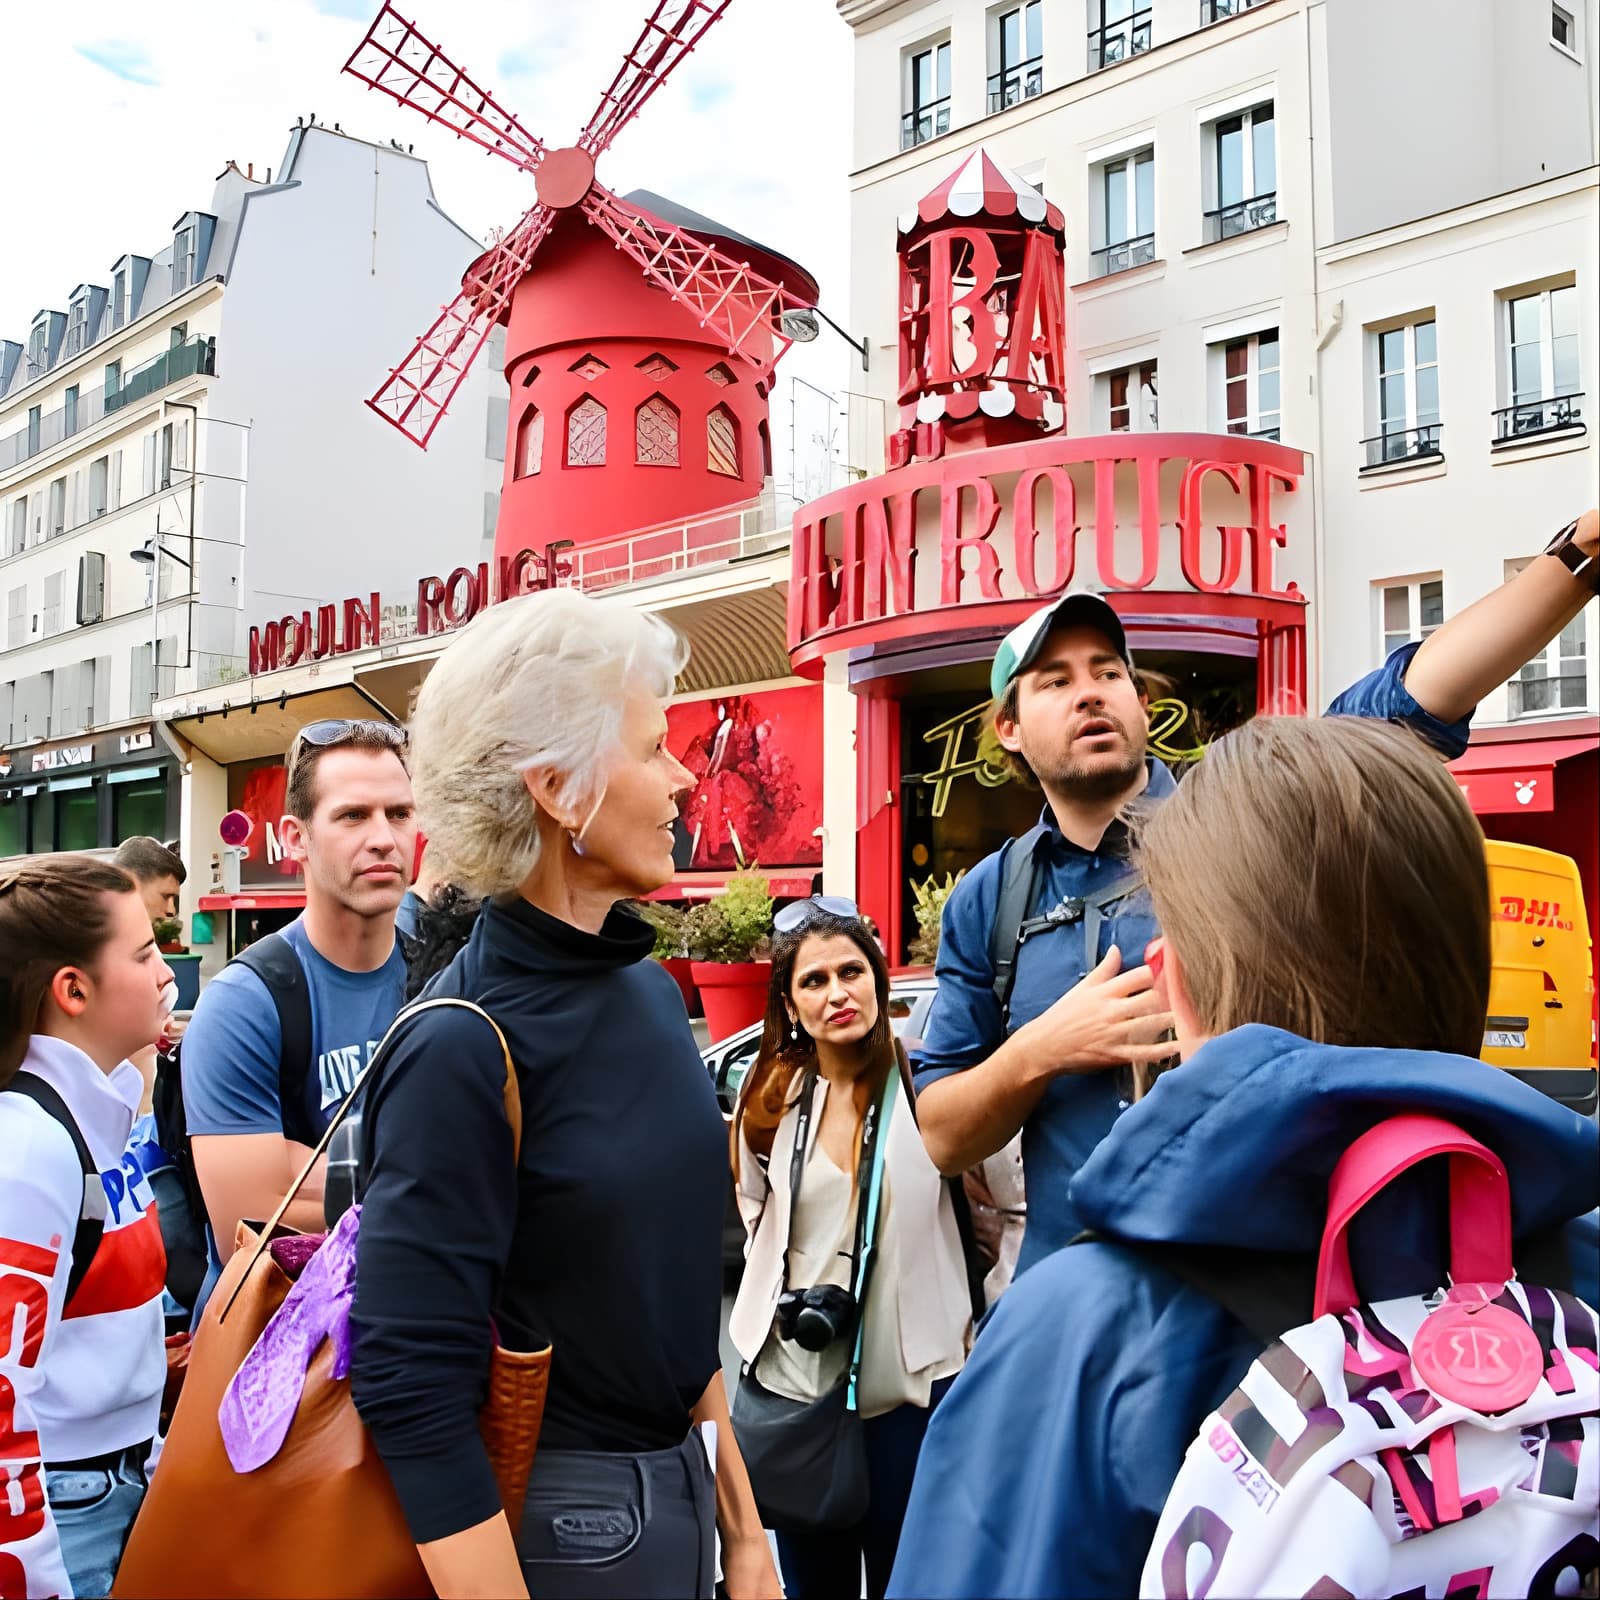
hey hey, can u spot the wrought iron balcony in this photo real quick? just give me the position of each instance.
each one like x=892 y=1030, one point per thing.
x=1117 y=41
x=1014 y=84
x=1243 y=216
x=1123 y=254
x=1533 y=417
x=1218 y=10
x=925 y=122
x=1404 y=444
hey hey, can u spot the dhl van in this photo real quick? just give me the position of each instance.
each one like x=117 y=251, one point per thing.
x=1541 y=988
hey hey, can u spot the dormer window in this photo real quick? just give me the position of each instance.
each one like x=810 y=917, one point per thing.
x=119 y=297
x=77 y=325
x=38 y=343
x=183 y=252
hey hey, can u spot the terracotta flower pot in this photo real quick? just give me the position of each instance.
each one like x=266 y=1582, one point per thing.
x=734 y=993
x=678 y=967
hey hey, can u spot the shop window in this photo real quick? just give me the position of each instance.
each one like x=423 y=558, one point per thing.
x=656 y=367
x=77 y=820
x=13 y=828
x=722 y=442
x=656 y=433
x=586 y=434
x=530 y=443
x=141 y=810
x=720 y=375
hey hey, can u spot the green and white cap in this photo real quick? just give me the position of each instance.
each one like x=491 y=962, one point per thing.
x=1019 y=647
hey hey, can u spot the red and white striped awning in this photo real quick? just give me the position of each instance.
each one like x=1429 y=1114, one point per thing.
x=980 y=186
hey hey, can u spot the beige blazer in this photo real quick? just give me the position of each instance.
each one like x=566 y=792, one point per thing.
x=935 y=1305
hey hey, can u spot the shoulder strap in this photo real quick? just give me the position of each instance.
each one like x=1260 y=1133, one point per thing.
x=1018 y=885
x=1093 y=914
x=513 y=1104
x=277 y=964
x=92 y=1210
x=867 y=1231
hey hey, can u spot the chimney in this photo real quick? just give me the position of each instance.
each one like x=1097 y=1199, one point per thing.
x=250 y=172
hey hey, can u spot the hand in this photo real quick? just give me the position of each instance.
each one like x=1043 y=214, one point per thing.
x=1587 y=537
x=1112 y=1017
x=747 y=1570
x=174 y=1029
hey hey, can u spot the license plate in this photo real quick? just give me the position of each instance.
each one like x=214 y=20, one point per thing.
x=1504 y=1039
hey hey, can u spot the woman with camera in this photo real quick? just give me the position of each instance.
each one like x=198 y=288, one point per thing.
x=855 y=1290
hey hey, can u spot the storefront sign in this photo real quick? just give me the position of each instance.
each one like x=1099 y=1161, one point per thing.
x=443 y=604
x=1029 y=520
x=76 y=755
x=131 y=743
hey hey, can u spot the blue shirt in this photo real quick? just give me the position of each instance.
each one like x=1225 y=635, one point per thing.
x=965 y=1026
x=231 y=1050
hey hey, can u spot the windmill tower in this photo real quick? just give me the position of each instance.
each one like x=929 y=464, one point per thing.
x=641 y=337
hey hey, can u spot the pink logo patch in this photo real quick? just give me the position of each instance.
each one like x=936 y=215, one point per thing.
x=1477 y=1354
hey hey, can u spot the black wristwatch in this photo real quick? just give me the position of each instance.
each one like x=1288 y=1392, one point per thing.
x=1585 y=568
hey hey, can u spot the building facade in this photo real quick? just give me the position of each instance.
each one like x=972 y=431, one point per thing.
x=183 y=450
x=1364 y=231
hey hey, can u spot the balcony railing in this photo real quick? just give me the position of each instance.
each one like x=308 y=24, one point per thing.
x=1217 y=10
x=738 y=533
x=1566 y=691
x=1404 y=444
x=1243 y=216
x=1012 y=85
x=183 y=361
x=1533 y=417
x=1123 y=254
x=925 y=122
x=1116 y=41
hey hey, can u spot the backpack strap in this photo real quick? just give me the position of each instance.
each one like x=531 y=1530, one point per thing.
x=277 y=964
x=92 y=1210
x=1019 y=875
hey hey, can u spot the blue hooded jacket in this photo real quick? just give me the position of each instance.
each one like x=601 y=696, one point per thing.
x=1045 y=1468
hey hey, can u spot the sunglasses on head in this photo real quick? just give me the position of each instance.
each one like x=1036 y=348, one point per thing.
x=335 y=730
x=798 y=913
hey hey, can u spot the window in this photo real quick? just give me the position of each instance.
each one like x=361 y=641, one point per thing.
x=17 y=527
x=99 y=487
x=1016 y=54
x=174 y=452
x=69 y=411
x=77 y=812
x=182 y=259
x=586 y=434
x=141 y=808
x=530 y=444
x=1128 y=213
x=119 y=297
x=1557 y=679
x=1117 y=29
x=1216 y=10
x=655 y=431
x=13 y=820
x=38 y=344
x=113 y=380
x=1409 y=612
x=657 y=368
x=17 y=617
x=50 y=612
x=1541 y=363
x=1131 y=399
x=925 y=95
x=1250 y=385
x=722 y=442
x=1407 y=393
x=77 y=326
x=1563 y=29
x=720 y=375
x=56 y=516
x=1244 y=175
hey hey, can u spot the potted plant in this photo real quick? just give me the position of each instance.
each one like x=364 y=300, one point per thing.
x=671 y=925
x=929 y=898
x=185 y=967
x=728 y=938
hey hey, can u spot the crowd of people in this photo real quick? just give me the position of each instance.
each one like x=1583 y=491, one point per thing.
x=1187 y=1001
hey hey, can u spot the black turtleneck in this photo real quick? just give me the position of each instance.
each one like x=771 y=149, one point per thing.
x=605 y=1242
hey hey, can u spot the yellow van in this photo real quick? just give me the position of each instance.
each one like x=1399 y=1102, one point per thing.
x=1541 y=989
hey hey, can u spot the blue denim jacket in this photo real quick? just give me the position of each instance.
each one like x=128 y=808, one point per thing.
x=965 y=1025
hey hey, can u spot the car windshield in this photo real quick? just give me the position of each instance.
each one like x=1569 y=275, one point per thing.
x=742 y=1057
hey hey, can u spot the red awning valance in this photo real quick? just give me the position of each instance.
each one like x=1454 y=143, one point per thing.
x=255 y=900
x=1515 y=776
x=704 y=885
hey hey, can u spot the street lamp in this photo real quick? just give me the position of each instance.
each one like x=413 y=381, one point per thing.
x=149 y=554
x=801 y=326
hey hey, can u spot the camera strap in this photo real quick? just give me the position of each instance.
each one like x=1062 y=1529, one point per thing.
x=867 y=1231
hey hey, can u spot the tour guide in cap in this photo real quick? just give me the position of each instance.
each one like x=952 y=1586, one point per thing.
x=1080 y=999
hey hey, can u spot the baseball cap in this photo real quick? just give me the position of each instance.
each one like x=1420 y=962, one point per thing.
x=1019 y=647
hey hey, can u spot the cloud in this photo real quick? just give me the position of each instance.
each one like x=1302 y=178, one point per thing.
x=122 y=59
x=703 y=96
x=355 y=10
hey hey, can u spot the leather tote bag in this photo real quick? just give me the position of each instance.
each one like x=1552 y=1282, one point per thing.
x=315 y=1514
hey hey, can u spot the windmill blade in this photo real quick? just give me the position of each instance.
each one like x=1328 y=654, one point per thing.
x=671 y=31
x=742 y=307
x=421 y=388
x=397 y=60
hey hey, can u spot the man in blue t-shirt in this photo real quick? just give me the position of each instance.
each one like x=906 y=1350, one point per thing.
x=1082 y=1002
x=351 y=824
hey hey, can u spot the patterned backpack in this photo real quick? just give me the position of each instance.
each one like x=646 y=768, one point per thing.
x=1437 y=1446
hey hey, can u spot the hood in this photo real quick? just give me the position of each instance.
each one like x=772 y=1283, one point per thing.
x=1237 y=1146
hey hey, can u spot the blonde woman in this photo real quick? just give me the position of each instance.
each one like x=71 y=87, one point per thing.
x=543 y=775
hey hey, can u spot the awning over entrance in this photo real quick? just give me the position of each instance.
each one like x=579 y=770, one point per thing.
x=255 y=900
x=266 y=728
x=1515 y=776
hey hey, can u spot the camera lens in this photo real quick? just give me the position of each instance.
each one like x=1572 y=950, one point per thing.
x=814 y=1329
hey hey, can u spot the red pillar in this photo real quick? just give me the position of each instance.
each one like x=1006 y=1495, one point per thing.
x=878 y=841
x=1281 y=670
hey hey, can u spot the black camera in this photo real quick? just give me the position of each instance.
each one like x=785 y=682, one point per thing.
x=814 y=1318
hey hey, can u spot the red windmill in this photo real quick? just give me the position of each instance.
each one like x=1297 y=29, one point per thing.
x=727 y=304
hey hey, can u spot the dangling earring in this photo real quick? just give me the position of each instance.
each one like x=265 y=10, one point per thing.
x=577 y=845
x=794 y=1033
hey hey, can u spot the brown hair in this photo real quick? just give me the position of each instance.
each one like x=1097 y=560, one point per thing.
x=1016 y=763
x=1325 y=876
x=148 y=859
x=53 y=914
x=300 y=783
x=764 y=1096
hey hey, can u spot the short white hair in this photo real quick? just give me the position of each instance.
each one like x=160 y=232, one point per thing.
x=538 y=681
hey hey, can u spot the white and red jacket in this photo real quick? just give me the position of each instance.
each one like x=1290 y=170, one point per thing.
x=83 y=1379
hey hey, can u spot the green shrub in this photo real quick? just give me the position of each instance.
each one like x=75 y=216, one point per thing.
x=671 y=924
x=930 y=897
x=734 y=926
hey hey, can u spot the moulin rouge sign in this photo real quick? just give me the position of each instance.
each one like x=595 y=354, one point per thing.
x=443 y=604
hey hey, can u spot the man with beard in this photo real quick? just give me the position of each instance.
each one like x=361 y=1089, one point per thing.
x=1024 y=1038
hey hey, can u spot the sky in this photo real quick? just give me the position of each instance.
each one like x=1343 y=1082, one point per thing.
x=126 y=112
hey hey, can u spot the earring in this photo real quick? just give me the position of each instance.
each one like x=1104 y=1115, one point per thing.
x=577 y=844
x=794 y=1033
